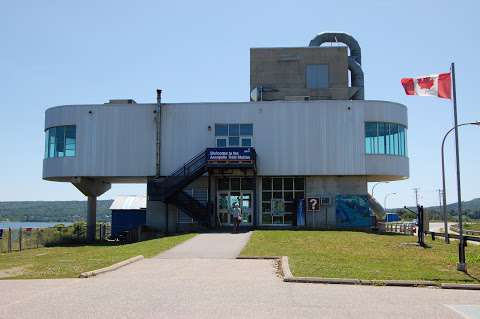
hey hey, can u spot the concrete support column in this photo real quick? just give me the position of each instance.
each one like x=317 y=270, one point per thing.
x=91 y=218
x=92 y=188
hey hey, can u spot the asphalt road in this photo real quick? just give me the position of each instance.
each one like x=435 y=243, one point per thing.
x=221 y=288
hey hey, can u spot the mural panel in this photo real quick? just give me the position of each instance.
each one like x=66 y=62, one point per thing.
x=352 y=211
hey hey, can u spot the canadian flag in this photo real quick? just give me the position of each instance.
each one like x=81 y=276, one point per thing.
x=430 y=85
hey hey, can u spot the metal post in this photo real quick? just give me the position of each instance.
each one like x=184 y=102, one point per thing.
x=444 y=192
x=158 y=117
x=9 y=240
x=416 y=195
x=20 y=239
x=91 y=218
x=461 y=258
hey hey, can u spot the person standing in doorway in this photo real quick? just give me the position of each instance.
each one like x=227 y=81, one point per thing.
x=236 y=217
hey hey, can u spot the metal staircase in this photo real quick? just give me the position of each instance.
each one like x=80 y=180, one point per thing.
x=170 y=189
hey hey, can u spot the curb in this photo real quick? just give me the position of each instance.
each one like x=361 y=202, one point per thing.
x=113 y=267
x=461 y=286
x=285 y=267
x=288 y=277
x=259 y=257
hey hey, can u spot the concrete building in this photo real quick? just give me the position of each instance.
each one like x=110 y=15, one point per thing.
x=299 y=154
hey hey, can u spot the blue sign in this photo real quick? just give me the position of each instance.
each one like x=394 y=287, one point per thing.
x=301 y=212
x=229 y=154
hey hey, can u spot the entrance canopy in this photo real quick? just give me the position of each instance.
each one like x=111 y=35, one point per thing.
x=231 y=157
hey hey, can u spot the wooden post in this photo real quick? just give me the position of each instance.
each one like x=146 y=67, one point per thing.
x=9 y=240
x=20 y=239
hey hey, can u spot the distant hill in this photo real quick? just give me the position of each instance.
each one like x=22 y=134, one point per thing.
x=70 y=211
x=473 y=205
x=52 y=211
x=470 y=208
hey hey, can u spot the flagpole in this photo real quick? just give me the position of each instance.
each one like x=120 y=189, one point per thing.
x=461 y=245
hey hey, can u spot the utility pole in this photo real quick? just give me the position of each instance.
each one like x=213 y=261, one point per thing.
x=416 y=196
x=439 y=199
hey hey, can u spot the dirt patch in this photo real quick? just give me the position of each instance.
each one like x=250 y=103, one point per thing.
x=11 y=272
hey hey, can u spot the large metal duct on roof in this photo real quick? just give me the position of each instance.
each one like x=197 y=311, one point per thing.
x=354 y=60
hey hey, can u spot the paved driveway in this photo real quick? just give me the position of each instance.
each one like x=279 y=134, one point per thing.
x=211 y=245
x=220 y=288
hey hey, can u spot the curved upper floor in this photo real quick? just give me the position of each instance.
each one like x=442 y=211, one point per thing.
x=116 y=142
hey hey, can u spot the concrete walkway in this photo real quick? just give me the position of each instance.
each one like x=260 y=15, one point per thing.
x=221 y=288
x=201 y=279
x=211 y=245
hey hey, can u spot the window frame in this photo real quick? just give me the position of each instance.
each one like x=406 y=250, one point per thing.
x=394 y=139
x=267 y=194
x=52 y=141
x=236 y=130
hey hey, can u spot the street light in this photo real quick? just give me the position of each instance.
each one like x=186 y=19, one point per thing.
x=375 y=185
x=445 y=218
x=385 y=200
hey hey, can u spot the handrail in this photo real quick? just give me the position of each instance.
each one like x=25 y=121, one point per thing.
x=185 y=167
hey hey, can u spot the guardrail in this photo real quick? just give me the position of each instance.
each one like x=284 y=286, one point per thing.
x=455 y=228
x=454 y=236
x=397 y=227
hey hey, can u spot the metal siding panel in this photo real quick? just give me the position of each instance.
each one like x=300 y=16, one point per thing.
x=291 y=137
x=113 y=141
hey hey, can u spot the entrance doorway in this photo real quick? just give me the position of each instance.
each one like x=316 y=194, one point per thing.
x=233 y=190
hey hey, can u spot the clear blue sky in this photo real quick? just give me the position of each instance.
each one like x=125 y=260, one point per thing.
x=67 y=52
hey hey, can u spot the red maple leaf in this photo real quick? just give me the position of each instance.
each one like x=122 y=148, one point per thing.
x=425 y=83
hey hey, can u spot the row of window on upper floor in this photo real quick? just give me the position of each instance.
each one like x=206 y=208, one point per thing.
x=385 y=138
x=60 y=141
x=380 y=138
x=234 y=135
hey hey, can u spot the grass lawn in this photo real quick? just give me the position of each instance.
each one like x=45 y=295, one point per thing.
x=472 y=226
x=349 y=254
x=70 y=261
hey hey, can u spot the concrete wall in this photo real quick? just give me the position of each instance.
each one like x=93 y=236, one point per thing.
x=285 y=70
x=117 y=142
x=157 y=211
x=330 y=186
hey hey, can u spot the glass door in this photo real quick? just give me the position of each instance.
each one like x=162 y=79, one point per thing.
x=226 y=201
x=247 y=207
x=223 y=207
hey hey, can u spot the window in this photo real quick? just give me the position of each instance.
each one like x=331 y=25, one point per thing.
x=283 y=190
x=234 y=135
x=317 y=76
x=385 y=138
x=60 y=141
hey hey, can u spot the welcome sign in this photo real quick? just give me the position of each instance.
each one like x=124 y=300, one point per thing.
x=229 y=154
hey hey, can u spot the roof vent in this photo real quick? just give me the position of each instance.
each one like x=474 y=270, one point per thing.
x=122 y=101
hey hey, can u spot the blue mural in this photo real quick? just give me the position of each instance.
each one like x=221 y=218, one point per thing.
x=352 y=211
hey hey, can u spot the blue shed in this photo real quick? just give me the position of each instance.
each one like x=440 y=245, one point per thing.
x=128 y=212
x=392 y=217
